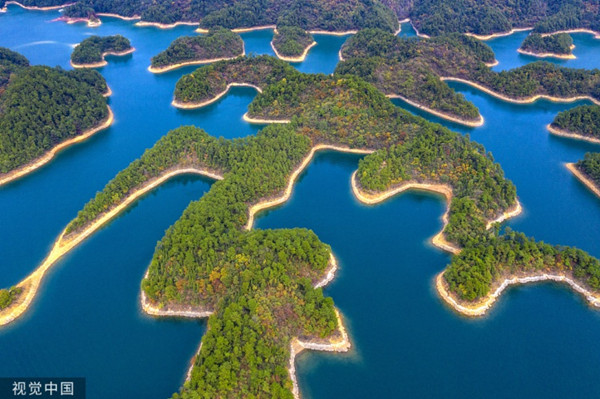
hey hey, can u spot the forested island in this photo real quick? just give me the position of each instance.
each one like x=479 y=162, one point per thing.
x=258 y=286
x=581 y=122
x=218 y=44
x=559 y=45
x=90 y=53
x=588 y=171
x=415 y=70
x=43 y=109
x=291 y=43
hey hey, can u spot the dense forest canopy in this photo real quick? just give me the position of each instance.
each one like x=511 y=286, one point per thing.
x=41 y=106
x=590 y=166
x=92 y=49
x=583 y=120
x=560 y=43
x=291 y=41
x=218 y=43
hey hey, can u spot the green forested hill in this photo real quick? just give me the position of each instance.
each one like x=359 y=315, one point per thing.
x=42 y=106
x=583 y=120
x=560 y=44
x=91 y=50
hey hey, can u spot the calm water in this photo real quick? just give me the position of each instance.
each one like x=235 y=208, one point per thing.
x=538 y=341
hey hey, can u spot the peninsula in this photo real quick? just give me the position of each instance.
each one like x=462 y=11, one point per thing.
x=580 y=123
x=587 y=171
x=217 y=45
x=43 y=111
x=90 y=53
x=559 y=45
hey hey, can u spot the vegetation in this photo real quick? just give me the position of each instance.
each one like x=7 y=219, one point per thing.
x=218 y=43
x=9 y=296
x=583 y=120
x=413 y=68
x=590 y=166
x=437 y=17
x=92 y=49
x=41 y=107
x=308 y=14
x=291 y=41
x=560 y=43
x=10 y=62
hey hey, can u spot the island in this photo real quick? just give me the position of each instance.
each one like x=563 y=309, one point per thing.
x=90 y=53
x=581 y=123
x=81 y=12
x=217 y=45
x=587 y=171
x=292 y=43
x=559 y=45
x=45 y=110
x=261 y=289
x=414 y=70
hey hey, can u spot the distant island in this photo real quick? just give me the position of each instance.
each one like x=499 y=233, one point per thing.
x=559 y=45
x=90 y=53
x=43 y=110
x=582 y=123
x=292 y=43
x=219 y=44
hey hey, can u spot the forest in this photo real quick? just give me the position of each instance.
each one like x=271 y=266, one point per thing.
x=291 y=41
x=8 y=296
x=560 y=43
x=399 y=62
x=218 y=43
x=42 y=106
x=259 y=282
x=92 y=49
x=583 y=120
x=590 y=166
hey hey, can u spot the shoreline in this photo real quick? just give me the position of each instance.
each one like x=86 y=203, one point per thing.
x=269 y=203
x=111 y=15
x=528 y=100
x=181 y=105
x=439 y=240
x=496 y=35
x=89 y=22
x=564 y=133
x=34 y=8
x=583 y=178
x=49 y=155
x=64 y=245
x=172 y=67
x=257 y=121
x=481 y=307
x=142 y=24
x=419 y=34
x=103 y=62
x=547 y=55
x=300 y=58
x=579 y=30
x=439 y=113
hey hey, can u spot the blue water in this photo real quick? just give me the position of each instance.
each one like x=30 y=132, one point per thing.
x=539 y=341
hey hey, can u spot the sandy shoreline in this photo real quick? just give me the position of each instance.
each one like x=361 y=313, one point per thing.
x=495 y=35
x=583 y=178
x=50 y=8
x=90 y=23
x=195 y=62
x=259 y=121
x=591 y=32
x=300 y=58
x=269 y=203
x=103 y=62
x=438 y=113
x=110 y=15
x=483 y=305
x=528 y=100
x=439 y=240
x=547 y=55
x=64 y=245
x=47 y=157
x=181 y=105
x=563 y=133
x=164 y=26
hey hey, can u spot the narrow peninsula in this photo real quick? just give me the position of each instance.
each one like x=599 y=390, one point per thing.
x=90 y=53
x=218 y=45
x=44 y=110
x=292 y=43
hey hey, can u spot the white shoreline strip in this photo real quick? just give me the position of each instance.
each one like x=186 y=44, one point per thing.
x=48 y=156
x=547 y=55
x=300 y=58
x=564 y=133
x=103 y=62
x=33 y=8
x=195 y=62
x=181 y=105
x=495 y=35
x=439 y=114
x=583 y=178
